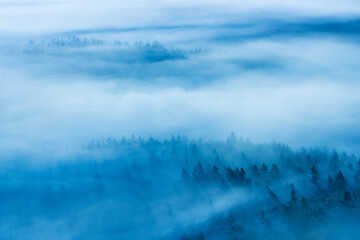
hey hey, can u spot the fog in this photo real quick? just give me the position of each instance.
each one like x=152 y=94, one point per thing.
x=136 y=188
x=60 y=93
x=115 y=119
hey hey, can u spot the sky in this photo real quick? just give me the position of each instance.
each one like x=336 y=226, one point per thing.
x=284 y=71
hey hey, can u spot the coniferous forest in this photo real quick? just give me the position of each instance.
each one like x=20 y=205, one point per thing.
x=179 y=120
x=179 y=188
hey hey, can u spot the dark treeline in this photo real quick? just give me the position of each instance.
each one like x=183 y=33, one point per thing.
x=81 y=56
x=150 y=51
x=136 y=188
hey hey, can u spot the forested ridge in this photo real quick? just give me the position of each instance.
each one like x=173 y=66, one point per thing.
x=185 y=189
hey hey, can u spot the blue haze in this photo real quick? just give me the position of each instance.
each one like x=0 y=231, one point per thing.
x=76 y=77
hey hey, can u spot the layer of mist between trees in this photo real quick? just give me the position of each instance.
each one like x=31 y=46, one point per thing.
x=136 y=188
x=74 y=56
x=156 y=62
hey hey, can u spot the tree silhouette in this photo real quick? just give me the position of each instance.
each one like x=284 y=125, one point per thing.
x=199 y=174
x=264 y=168
x=185 y=177
x=271 y=193
x=347 y=198
x=314 y=175
x=339 y=181
x=230 y=175
x=275 y=172
x=255 y=171
x=334 y=163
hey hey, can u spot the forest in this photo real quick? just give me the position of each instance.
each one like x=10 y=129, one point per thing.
x=179 y=120
x=179 y=188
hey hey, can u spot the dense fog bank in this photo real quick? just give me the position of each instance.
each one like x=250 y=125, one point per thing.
x=61 y=91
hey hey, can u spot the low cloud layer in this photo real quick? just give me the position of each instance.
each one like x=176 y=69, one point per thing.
x=267 y=77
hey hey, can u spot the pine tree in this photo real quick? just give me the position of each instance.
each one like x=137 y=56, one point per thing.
x=232 y=139
x=303 y=203
x=237 y=176
x=275 y=172
x=339 y=181
x=334 y=163
x=185 y=177
x=199 y=173
x=271 y=193
x=330 y=182
x=293 y=198
x=347 y=198
x=314 y=175
x=214 y=174
x=230 y=175
x=263 y=219
x=255 y=170
x=350 y=166
x=242 y=176
x=232 y=228
x=264 y=168
x=194 y=151
x=358 y=165
x=230 y=220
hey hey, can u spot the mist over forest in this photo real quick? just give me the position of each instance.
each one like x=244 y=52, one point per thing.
x=179 y=119
x=178 y=188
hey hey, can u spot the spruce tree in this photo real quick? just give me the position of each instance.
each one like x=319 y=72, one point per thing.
x=314 y=175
